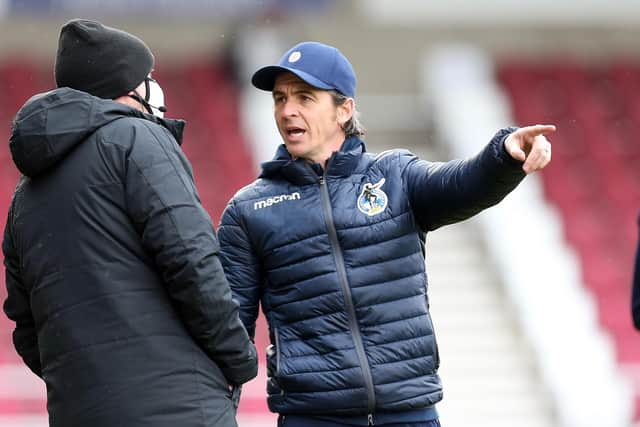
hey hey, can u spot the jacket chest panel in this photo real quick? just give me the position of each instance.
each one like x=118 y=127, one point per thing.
x=292 y=215
x=366 y=201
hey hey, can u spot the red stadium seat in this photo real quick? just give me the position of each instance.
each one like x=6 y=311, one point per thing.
x=594 y=179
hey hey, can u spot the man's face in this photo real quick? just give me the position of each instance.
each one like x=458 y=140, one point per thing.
x=307 y=119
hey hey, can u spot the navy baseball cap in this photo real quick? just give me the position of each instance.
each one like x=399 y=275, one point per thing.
x=320 y=65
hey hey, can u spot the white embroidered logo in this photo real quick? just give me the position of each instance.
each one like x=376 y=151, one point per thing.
x=372 y=200
x=275 y=200
x=295 y=56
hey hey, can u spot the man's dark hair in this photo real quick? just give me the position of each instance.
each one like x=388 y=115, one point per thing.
x=352 y=127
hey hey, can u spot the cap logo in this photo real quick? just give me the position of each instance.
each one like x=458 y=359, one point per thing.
x=295 y=56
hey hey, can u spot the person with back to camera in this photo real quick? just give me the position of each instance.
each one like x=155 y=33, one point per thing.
x=635 y=295
x=330 y=241
x=112 y=268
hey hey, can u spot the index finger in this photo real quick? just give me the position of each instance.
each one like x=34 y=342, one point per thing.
x=535 y=130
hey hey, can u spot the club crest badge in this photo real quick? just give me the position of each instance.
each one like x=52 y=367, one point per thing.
x=372 y=200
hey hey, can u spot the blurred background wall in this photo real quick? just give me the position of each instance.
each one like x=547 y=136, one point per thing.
x=530 y=298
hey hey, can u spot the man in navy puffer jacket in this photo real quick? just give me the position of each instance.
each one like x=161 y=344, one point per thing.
x=330 y=240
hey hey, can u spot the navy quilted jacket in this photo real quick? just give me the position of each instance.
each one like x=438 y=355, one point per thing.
x=338 y=264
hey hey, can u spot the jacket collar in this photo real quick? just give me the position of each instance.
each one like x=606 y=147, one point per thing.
x=49 y=125
x=300 y=171
x=175 y=126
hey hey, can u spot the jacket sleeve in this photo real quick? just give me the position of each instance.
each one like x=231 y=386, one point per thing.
x=242 y=267
x=445 y=193
x=635 y=297
x=177 y=231
x=17 y=306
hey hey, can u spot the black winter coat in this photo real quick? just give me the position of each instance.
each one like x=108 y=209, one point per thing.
x=112 y=271
x=338 y=264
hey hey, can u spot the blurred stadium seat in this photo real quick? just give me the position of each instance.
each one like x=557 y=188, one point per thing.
x=594 y=179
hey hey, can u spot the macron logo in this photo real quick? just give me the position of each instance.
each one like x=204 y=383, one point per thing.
x=274 y=200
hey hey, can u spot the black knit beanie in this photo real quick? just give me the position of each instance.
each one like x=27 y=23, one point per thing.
x=103 y=61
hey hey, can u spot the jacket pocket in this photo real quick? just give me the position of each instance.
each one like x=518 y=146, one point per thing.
x=273 y=356
x=274 y=386
x=434 y=349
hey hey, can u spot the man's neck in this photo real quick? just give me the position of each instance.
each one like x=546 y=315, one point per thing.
x=131 y=102
x=323 y=158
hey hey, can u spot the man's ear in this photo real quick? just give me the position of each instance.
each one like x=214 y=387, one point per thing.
x=346 y=110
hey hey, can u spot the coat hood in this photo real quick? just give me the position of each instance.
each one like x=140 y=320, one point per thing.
x=51 y=124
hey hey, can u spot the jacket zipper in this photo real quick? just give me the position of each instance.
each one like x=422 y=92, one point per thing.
x=351 y=312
